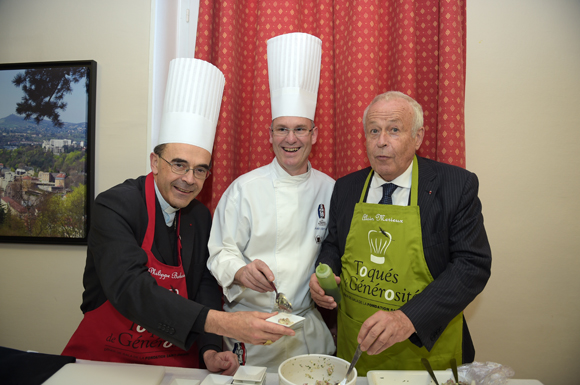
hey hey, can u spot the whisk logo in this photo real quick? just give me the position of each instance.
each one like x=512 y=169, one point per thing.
x=378 y=245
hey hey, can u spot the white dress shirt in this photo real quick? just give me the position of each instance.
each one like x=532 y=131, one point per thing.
x=401 y=195
x=168 y=210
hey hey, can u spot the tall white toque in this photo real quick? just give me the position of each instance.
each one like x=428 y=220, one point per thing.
x=294 y=73
x=193 y=97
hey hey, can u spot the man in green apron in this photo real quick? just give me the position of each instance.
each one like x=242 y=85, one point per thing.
x=406 y=237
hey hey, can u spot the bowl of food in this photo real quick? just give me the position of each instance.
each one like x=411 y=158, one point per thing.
x=315 y=369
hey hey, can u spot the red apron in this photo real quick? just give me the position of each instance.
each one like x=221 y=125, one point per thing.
x=105 y=335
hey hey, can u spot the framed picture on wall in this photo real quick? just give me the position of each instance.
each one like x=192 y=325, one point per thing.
x=47 y=150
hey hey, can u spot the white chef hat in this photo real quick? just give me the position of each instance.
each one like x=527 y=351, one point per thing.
x=193 y=97
x=294 y=73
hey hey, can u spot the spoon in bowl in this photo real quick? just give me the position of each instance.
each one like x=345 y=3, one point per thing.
x=453 y=364
x=355 y=358
x=427 y=366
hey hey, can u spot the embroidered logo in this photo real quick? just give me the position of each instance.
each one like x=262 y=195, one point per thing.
x=321 y=211
x=240 y=351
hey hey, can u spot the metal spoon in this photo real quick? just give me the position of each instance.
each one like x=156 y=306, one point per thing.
x=355 y=358
x=281 y=300
x=453 y=364
x=427 y=366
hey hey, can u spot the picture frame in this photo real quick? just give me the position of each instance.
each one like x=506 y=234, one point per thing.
x=47 y=151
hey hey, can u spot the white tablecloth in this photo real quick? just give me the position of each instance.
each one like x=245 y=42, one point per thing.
x=272 y=378
x=172 y=373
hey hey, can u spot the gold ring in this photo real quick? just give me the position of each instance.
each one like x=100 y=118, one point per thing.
x=268 y=342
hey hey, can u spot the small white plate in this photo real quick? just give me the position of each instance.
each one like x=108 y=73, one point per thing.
x=293 y=320
x=408 y=377
x=250 y=382
x=184 y=381
x=216 y=379
x=251 y=374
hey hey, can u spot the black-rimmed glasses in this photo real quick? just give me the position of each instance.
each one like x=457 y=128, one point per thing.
x=181 y=169
x=298 y=131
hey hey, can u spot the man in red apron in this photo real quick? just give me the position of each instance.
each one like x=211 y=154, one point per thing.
x=406 y=236
x=149 y=297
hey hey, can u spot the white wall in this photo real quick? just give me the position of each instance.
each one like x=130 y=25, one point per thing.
x=522 y=129
x=41 y=286
x=523 y=139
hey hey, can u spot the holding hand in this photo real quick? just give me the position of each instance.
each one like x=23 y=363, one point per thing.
x=318 y=295
x=384 y=329
x=246 y=326
x=256 y=275
x=225 y=362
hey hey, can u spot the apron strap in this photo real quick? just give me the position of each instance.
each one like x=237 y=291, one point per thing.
x=364 y=193
x=414 y=182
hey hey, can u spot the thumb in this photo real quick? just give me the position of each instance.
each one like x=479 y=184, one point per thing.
x=225 y=364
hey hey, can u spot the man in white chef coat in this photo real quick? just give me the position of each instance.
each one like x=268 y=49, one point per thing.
x=270 y=222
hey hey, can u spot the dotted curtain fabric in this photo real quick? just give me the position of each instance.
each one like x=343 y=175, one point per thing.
x=368 y=47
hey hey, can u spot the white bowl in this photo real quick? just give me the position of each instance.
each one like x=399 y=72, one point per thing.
x=309 y=368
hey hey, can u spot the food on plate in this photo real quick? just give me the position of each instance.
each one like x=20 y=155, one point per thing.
x=452 y=382
x=285 y=321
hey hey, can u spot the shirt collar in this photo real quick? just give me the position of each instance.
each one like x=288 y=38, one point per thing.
x=404 y=180
x=168 y=210
x=282 y=174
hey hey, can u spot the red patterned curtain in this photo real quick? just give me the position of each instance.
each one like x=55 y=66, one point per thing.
x=368 y=47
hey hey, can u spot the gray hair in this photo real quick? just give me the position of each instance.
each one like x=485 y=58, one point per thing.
x=391 y=95
x=159 y=149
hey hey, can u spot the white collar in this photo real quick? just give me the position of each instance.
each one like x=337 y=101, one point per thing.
x=168 y=210
x=404 y=180
x=282 y=174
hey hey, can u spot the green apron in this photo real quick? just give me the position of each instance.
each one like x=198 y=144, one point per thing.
x=383 y=267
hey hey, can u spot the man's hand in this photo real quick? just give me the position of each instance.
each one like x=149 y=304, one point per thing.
x=218 y=362
x=246 y=326
x=384 y=329
x=256 y=275
x=317 y=293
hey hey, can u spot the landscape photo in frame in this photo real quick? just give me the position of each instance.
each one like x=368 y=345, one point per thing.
x=47 y=146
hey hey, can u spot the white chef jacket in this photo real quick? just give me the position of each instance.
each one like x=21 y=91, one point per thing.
x=268 y=214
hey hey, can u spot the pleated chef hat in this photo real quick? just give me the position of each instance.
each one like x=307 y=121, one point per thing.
x=294 y=73
x=193 y=97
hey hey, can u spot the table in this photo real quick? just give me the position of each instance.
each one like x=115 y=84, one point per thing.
x=172 y=373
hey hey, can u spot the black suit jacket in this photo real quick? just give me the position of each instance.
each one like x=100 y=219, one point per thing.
x=116 y=271
x=454 y=241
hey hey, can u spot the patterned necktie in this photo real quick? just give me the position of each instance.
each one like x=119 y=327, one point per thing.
x=388 y=190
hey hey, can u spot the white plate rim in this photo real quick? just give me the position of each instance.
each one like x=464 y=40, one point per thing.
x=441 y=375
x=245 y=378
x=210 y=379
